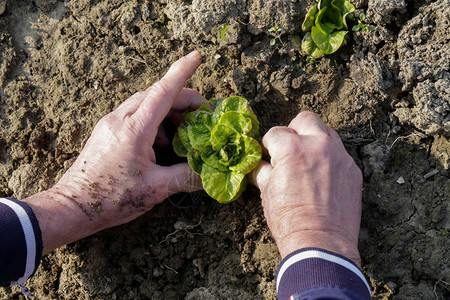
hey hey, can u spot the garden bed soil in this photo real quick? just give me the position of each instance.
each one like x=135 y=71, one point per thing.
x=65 y=64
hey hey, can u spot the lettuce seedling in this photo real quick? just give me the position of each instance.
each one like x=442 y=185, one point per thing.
x=363 y=26
x=220 y=141
x=327 y=22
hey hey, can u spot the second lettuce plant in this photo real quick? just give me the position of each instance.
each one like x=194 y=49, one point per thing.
x=326 y=27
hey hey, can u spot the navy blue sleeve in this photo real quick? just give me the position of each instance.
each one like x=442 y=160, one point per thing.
x=20 y=242
x=314 y=273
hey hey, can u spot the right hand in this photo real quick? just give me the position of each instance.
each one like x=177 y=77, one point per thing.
x=311 y=189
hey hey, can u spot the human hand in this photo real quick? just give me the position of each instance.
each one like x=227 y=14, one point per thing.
x=115 y=179
x=311 y=190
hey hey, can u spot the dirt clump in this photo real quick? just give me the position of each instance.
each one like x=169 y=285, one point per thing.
x=424 y=59
x=386 y=11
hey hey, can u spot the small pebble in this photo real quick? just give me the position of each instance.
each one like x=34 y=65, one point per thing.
x=2 y=6
x=430 y=174
x=179 y=225
x=157 y=272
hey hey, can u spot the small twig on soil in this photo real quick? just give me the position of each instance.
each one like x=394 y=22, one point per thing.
x=65 y=83
x=444 y=283
x=137 y=59
x=185 y=229
x=170 y=268
x=387 y=137
x=405 y=137
x=371 y=129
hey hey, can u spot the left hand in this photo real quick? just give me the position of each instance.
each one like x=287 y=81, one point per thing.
x=115 y=179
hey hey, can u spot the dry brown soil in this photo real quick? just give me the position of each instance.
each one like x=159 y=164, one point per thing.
x=65 y=64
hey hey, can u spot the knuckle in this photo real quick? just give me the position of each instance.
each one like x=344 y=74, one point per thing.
x=278 y=132
x=275 y=130
x=133 y=125
x=107 y=120
x=138 y=94
x=306 y=114
x=283 y=138
x=106 y=126
x=161 y=87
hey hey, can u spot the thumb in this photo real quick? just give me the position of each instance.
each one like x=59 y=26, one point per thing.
x=181 y=178
x=259 y=177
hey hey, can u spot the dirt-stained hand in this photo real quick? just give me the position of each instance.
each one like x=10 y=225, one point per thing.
x=115 y=179
x=311 y=189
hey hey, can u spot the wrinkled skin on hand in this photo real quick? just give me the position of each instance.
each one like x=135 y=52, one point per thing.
x=311 y=189
x=115 y=179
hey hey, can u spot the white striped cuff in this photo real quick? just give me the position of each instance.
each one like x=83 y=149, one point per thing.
x=30 y=231
x=304 y=259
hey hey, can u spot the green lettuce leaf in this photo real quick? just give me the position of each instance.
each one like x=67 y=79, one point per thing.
x=310 y=17
x=199 y=135
x=182 y=138
x=236 y=120
x=328 y=19
x=178 y=146
x=320 y=24
x=346 y=8
x=324 y=3
x=240 y=105
x=251 y=156
x=220 y=140
x=333 y=17
x=223 y=186
x=195 y=128
x=310 y=47
x=328 y=43
x=195 y=161
x=212 y=158
x=223 y=135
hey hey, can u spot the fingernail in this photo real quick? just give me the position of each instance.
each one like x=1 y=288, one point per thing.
x=194 y=55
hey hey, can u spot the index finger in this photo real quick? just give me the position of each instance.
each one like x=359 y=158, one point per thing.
x=159 y=100
x=308 y=123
